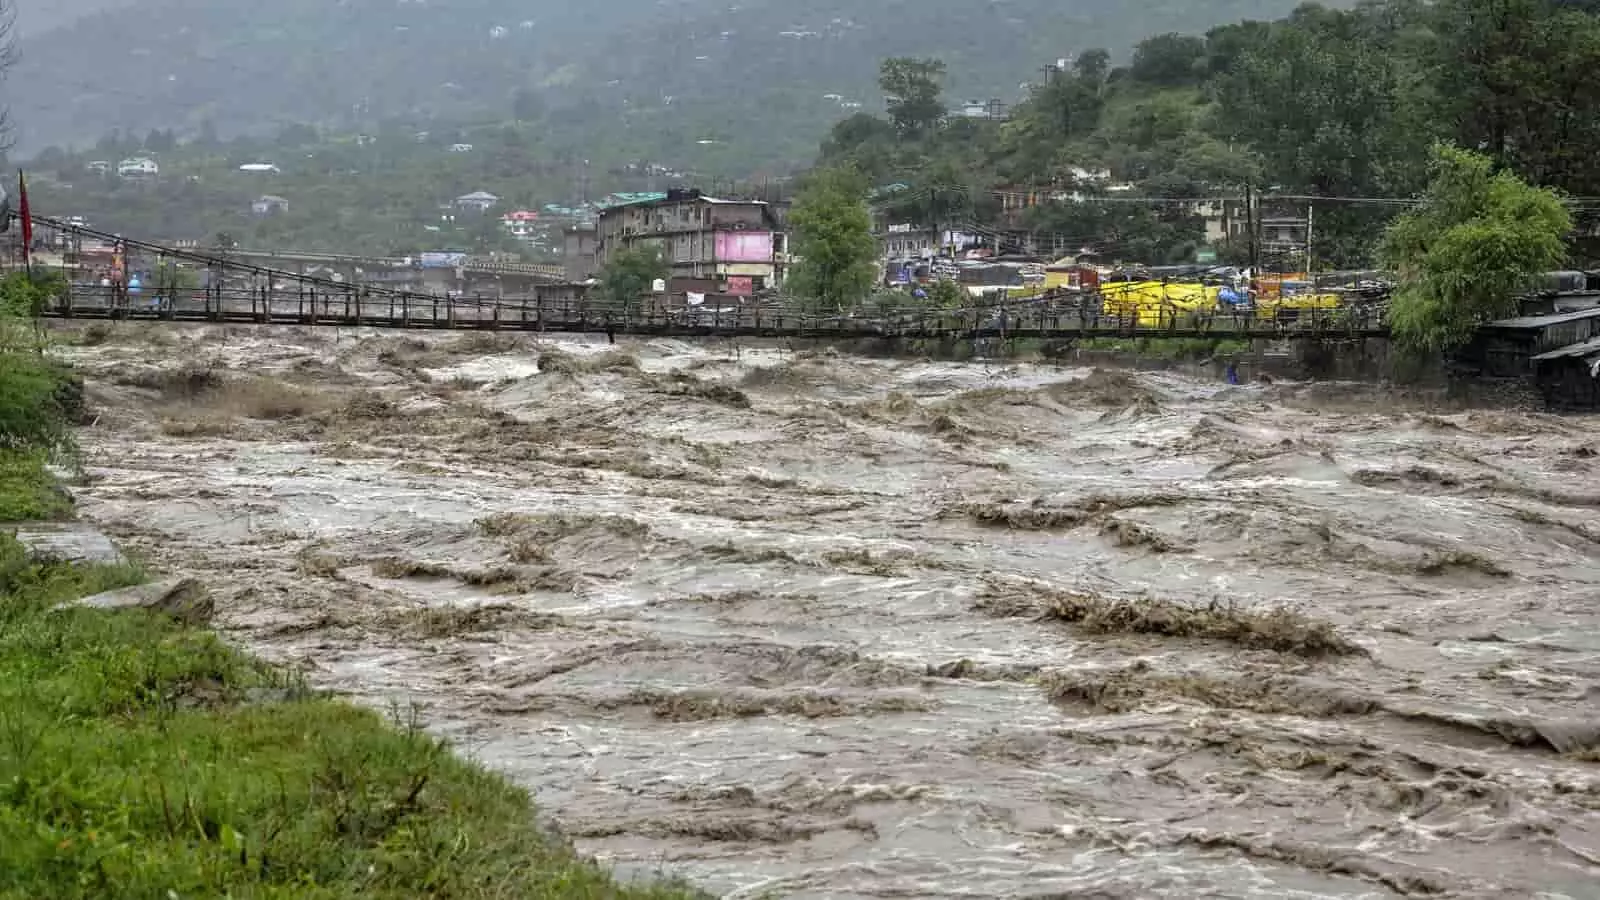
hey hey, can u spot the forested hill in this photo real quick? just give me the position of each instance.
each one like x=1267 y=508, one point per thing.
x=1337 y=106
x=756 y=73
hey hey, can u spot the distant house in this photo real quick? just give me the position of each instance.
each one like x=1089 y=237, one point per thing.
x=460 y=148
x=99 y=167
x=523 y=224
x=1080 y=175
x=260 y=168
x=138 y=167
x=269 y=205
x=979 y=109
x=477 y=201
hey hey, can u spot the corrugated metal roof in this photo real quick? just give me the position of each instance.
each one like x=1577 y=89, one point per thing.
x=1547 y=320
x=1587 y=348
x=629 y=198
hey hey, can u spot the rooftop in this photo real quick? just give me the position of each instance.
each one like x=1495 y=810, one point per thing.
x=1586 y=348
x=1545 y=321
x=674 y=196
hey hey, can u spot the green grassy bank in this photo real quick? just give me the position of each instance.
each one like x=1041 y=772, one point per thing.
x=144 y=758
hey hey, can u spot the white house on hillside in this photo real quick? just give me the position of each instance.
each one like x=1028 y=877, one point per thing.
x=478 y=201
x=269 y=205
x=138 y=167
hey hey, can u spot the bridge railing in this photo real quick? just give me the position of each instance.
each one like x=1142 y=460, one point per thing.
x=322 y=303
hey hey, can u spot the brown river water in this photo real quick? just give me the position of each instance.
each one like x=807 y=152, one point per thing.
x=799 y=624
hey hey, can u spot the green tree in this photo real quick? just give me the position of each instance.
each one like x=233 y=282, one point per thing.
x=1463 y=256
x=1124 y=232
x=832 y=235
x=629 y=274
x=1514 y=81
x=912 y=88
x=946 y=294
x=1169 y=60
x=1093 y=65
x=1369 y=137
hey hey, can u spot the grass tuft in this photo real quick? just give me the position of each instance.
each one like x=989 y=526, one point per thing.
x=28 y=493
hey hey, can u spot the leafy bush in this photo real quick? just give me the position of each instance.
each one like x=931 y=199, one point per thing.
x=27 y=491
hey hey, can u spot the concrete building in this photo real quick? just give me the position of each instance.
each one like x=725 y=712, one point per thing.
x=523 y=225
x=477 y=201
x=269 y=205
x=905 y=240
x=138 y=168
x=577 y=251
x=743 y=244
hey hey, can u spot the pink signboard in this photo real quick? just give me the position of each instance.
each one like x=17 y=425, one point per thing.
x=741 y=285
x=744 y=246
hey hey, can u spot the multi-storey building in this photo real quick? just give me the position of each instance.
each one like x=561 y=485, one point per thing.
x=742 y=244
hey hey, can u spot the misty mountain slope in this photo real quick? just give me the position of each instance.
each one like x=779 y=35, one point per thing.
x=35 y=17
x=705 y=65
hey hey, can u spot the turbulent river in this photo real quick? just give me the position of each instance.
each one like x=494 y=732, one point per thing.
x=800 y=624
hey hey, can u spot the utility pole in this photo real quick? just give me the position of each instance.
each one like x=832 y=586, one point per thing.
x=1310 y=268
x=1250 y=229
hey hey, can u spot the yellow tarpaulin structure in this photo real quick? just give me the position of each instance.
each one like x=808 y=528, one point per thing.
x=1157 y=303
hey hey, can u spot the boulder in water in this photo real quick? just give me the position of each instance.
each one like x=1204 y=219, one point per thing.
x=185 y=599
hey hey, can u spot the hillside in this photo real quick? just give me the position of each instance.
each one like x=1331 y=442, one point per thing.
x=657 y=75
x=35 y=17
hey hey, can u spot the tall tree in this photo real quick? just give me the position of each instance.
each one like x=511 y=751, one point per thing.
x=913 y=89
x=629 y=273
x=1093 y=65
x=1046 y=131
x=1463 y=256
x=1515 y=80
x=1331 y=101
x=1169 y=60
x=832 y=235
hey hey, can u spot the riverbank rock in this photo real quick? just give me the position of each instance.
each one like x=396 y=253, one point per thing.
x=185 y=599
x=69 y=542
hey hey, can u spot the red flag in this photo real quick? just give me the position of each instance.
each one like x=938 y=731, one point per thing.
x=27 y=219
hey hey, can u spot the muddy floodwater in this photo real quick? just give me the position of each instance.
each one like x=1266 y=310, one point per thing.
x=799 y=624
